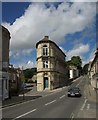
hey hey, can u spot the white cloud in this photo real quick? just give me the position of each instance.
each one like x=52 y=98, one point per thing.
x=34 y=0
x=91 y=56
x=10 y=53
x=49 y=0
x=28 y=64
x=63 y=49
x=18 y=53
x=78 y=50
x=28 y=51
x=38 y=21
x=83 y=0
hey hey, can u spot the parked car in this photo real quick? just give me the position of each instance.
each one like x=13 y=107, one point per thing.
x=74 y=92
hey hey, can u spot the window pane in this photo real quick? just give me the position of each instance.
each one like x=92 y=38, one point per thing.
x=45 y=64
x=45 y=50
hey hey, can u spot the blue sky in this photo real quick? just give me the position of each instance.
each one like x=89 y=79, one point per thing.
x=71 y=26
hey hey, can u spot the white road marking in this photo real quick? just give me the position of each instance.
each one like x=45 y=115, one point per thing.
x=50 y=102
x=62 y=96
x=88 y=106
x=78 y=83
x=83 y=104
x=84 y=97
x=25 y=114
x=72 y=116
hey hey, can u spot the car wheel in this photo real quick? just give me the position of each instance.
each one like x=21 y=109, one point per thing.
x=68 y=95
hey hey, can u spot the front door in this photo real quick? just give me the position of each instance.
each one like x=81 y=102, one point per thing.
x=45 y=82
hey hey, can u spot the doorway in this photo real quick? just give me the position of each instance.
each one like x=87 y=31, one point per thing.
x=46 y=83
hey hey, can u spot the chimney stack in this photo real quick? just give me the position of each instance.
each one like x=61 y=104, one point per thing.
x=46 y=37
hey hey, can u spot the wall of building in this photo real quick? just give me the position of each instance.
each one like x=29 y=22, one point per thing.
x=5 y=85
x=5 y=48
x=4 y=60
x=14 y=80
x=74 y=72
x=56 y=71
x=93 y=71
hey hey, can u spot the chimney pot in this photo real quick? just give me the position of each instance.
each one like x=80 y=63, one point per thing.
x=47 y=37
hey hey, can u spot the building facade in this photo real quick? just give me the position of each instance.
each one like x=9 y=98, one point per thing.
x=51 y=65
x=4 y=61
x=93 y=71
x=14 y=80
x=73 y=72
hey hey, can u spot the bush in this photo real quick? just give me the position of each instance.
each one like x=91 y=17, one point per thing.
x=26 y=80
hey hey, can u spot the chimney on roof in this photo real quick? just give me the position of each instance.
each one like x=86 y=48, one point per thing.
x=46 y=37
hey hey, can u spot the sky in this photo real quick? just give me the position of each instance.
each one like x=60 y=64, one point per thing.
x=71 y=25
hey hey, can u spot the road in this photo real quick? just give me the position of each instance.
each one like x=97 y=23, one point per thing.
x=55 y=105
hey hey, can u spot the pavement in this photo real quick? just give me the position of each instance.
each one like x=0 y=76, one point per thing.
x=86 y=106
x=32 y=94
x=55 y=105
x=90 y=110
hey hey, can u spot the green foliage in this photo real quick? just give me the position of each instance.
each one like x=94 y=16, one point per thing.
x=30 y=81
x=28 y=73
x=76 y=61
x=26 y=80
x=68 y=62
x=85 y=69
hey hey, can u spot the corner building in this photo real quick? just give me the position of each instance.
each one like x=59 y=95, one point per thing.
x=4 y=62
x=51 y=65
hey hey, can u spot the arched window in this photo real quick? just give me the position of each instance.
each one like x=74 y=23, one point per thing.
x=45 y=50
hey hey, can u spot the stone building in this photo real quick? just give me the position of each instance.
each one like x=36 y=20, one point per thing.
x=14 y=80
x=51 y=65
x=4 y=62
x=73 y=71
x=93 y=71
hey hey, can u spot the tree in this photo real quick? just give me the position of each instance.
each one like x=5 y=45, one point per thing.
x=28 y=73
x=76 y=61
x=85 y=68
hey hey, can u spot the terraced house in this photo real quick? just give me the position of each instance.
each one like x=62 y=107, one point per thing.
x=4 y=61
x=51 y=65
x=93 y=71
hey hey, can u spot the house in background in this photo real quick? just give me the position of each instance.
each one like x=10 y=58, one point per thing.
x=89 y=72
x=51 y=65
x=7 y=73
x=14 y=80
x=4 y=62
x=34 y=78
x=93 y=71
x=73 y=72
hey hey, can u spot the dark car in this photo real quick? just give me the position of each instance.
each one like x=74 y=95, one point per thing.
x=74 y=92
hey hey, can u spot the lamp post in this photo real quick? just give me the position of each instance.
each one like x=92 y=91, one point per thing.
x=23 y=84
